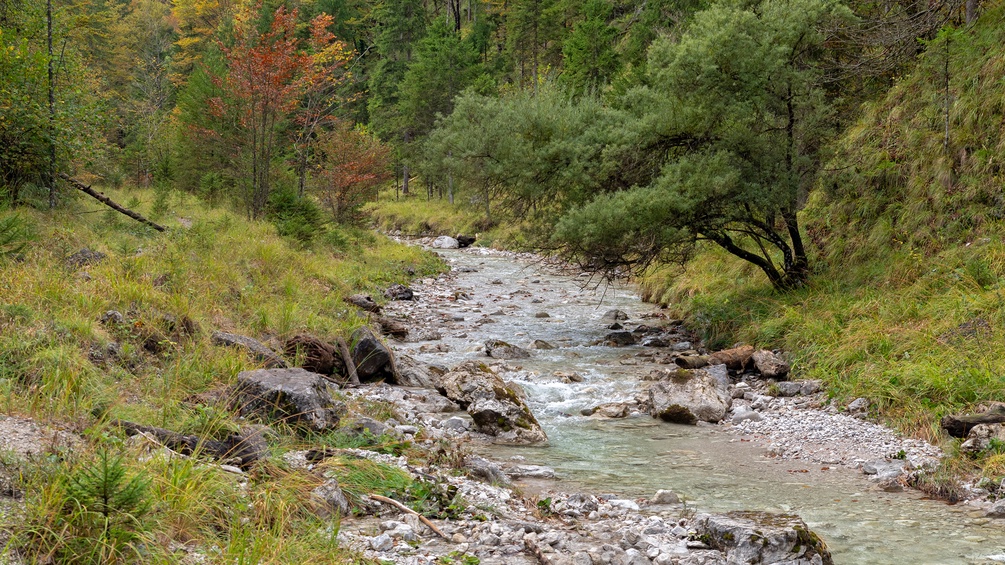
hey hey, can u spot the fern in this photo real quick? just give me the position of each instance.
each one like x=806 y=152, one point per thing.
x=14 y=235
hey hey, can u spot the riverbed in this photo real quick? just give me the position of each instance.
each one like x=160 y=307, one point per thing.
x=491 y=295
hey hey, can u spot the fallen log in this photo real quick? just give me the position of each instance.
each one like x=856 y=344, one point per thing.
x=363 y=302
x=350 y=366
x=108 y=201
x=960 y=426
x=691 y=361
x=404 y=508
x=236 y=446
x=737 y=358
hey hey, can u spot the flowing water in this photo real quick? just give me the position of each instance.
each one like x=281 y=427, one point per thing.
x=712 y=469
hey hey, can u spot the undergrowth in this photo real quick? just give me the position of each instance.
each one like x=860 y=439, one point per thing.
x=66 y=360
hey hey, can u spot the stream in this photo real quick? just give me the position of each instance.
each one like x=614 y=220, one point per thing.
x=713 y=470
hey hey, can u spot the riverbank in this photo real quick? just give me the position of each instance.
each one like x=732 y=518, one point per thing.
x=805 y=430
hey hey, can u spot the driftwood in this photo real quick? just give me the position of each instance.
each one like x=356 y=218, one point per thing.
x=391 y=327
x=691 y=361
x=364 y=302
x=737 y=358
x=235 y=447
x=108 y=201
x=404 y=508
x=350 y=366
x=960 y=426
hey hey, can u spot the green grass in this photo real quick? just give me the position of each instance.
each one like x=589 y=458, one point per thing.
x=211 y=270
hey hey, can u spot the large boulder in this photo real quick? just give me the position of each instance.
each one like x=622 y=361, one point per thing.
x=685 y=397
x=372 y=358
x=255 y=348
x=760 y=538
x=496 y=406
x=465 y=240
x=409 y=372
x=295 y=396
x=509 y=420
x=499 y=349
x=770 y=364
x=445 y=242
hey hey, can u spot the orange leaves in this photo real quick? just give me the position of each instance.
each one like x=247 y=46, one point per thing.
x=352 y=163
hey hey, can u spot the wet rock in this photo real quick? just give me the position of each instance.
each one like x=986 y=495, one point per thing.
x=770 y=364
x=465 y=240
x=318 y=356
x=569 y=376
x=541 y=344
x=294 y=396
x=84 y=257
x=499 y=349
x=399 y=292
x=409 y=372
x=446 y=242
x=615 y=316
x=363 y=302
x=761 y=538
x=511 y=422
x=997 y=510
x=736 y=359
x=615 y=326
x=665 y=497
x=682 y=346
x=371 y=356
x=542 y=315
x=619 y=339
x=530 y=471
x=686 y=397
x=612 y=410
x=496 y=408
x=257 y=349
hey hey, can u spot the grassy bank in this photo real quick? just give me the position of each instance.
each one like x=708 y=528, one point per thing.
x=61 y=365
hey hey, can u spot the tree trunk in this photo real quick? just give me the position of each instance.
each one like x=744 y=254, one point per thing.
x=960 y=426
x=972 y=7
x=109 y=202
x=52 y=109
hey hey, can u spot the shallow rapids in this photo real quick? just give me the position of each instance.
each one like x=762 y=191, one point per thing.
x=495 y=296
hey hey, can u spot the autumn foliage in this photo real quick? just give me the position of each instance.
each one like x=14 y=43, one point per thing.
x=352 y=164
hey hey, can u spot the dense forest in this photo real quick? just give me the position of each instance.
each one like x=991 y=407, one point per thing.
x=622 y=132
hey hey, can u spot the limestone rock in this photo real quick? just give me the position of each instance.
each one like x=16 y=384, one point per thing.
x=499 y=349
x=484 y=469
x=665 y=497
x=771 y=365
x=294 y=396
x=689 y=396
x=980 y=436
x=257 y=349
x=329 y=500
x=370 y=355
x=541 y=344
x=409 y=372
x=446 y=242
x=760 y=538
x=497 y=407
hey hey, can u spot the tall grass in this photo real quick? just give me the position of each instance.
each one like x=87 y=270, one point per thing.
x=63 y=361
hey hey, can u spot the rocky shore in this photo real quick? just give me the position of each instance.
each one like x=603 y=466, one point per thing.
x=445 y=409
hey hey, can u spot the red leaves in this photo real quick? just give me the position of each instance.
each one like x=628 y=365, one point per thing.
x=353 y=163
